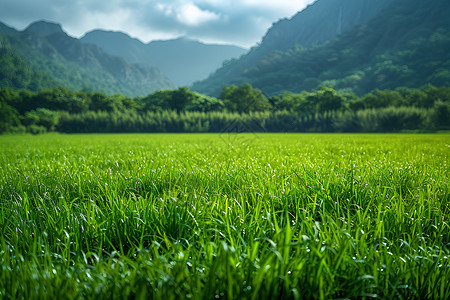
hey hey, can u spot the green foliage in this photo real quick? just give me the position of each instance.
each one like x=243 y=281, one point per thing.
x=241 y=109
x=440 y=115
x=205 y=104
x=382 y=120
x=289 y=101
x=102 y=102
x=381 y=99
x=180 y=100
x=42 y=118
x=325 y=99
x=244 y=99
x=16 y=73
x=249 y=216
x=9 y=117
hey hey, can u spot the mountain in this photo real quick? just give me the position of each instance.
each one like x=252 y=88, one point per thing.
x=182 y=60
x=351 y=45
x=44 y=28
x=318 y=23
x=44 y=56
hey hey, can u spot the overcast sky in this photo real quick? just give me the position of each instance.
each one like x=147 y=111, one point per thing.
x=241 y=22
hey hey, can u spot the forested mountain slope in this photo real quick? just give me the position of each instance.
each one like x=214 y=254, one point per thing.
x=407 y=43
x=318 y=23
x=44 y=56
x=182 y=60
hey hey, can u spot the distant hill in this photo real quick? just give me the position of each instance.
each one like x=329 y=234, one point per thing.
x=44 y=56
x=351 y=45
x=182 y=60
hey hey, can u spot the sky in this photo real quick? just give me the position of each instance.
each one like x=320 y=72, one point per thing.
x=239 y=22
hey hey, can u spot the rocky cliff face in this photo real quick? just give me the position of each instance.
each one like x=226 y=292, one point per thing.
x=319 y=23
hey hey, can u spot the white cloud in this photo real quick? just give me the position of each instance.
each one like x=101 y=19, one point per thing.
x=165 y=9
x=242 y=22
x=191 y=15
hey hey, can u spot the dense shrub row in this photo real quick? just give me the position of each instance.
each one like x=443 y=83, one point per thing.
x=367 y=120
x=239 y=109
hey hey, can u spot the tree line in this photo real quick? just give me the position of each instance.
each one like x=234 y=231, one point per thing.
x=238 y=109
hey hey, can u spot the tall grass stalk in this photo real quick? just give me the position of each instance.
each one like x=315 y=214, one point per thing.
x=290 y=216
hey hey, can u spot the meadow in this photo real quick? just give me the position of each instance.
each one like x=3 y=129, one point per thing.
x=225 y=216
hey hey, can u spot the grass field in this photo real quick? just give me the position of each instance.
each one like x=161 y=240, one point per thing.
x=240 y=216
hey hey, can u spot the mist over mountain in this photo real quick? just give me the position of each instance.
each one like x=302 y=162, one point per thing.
x=182 y=60
x=351 y=45
x=44 y=56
